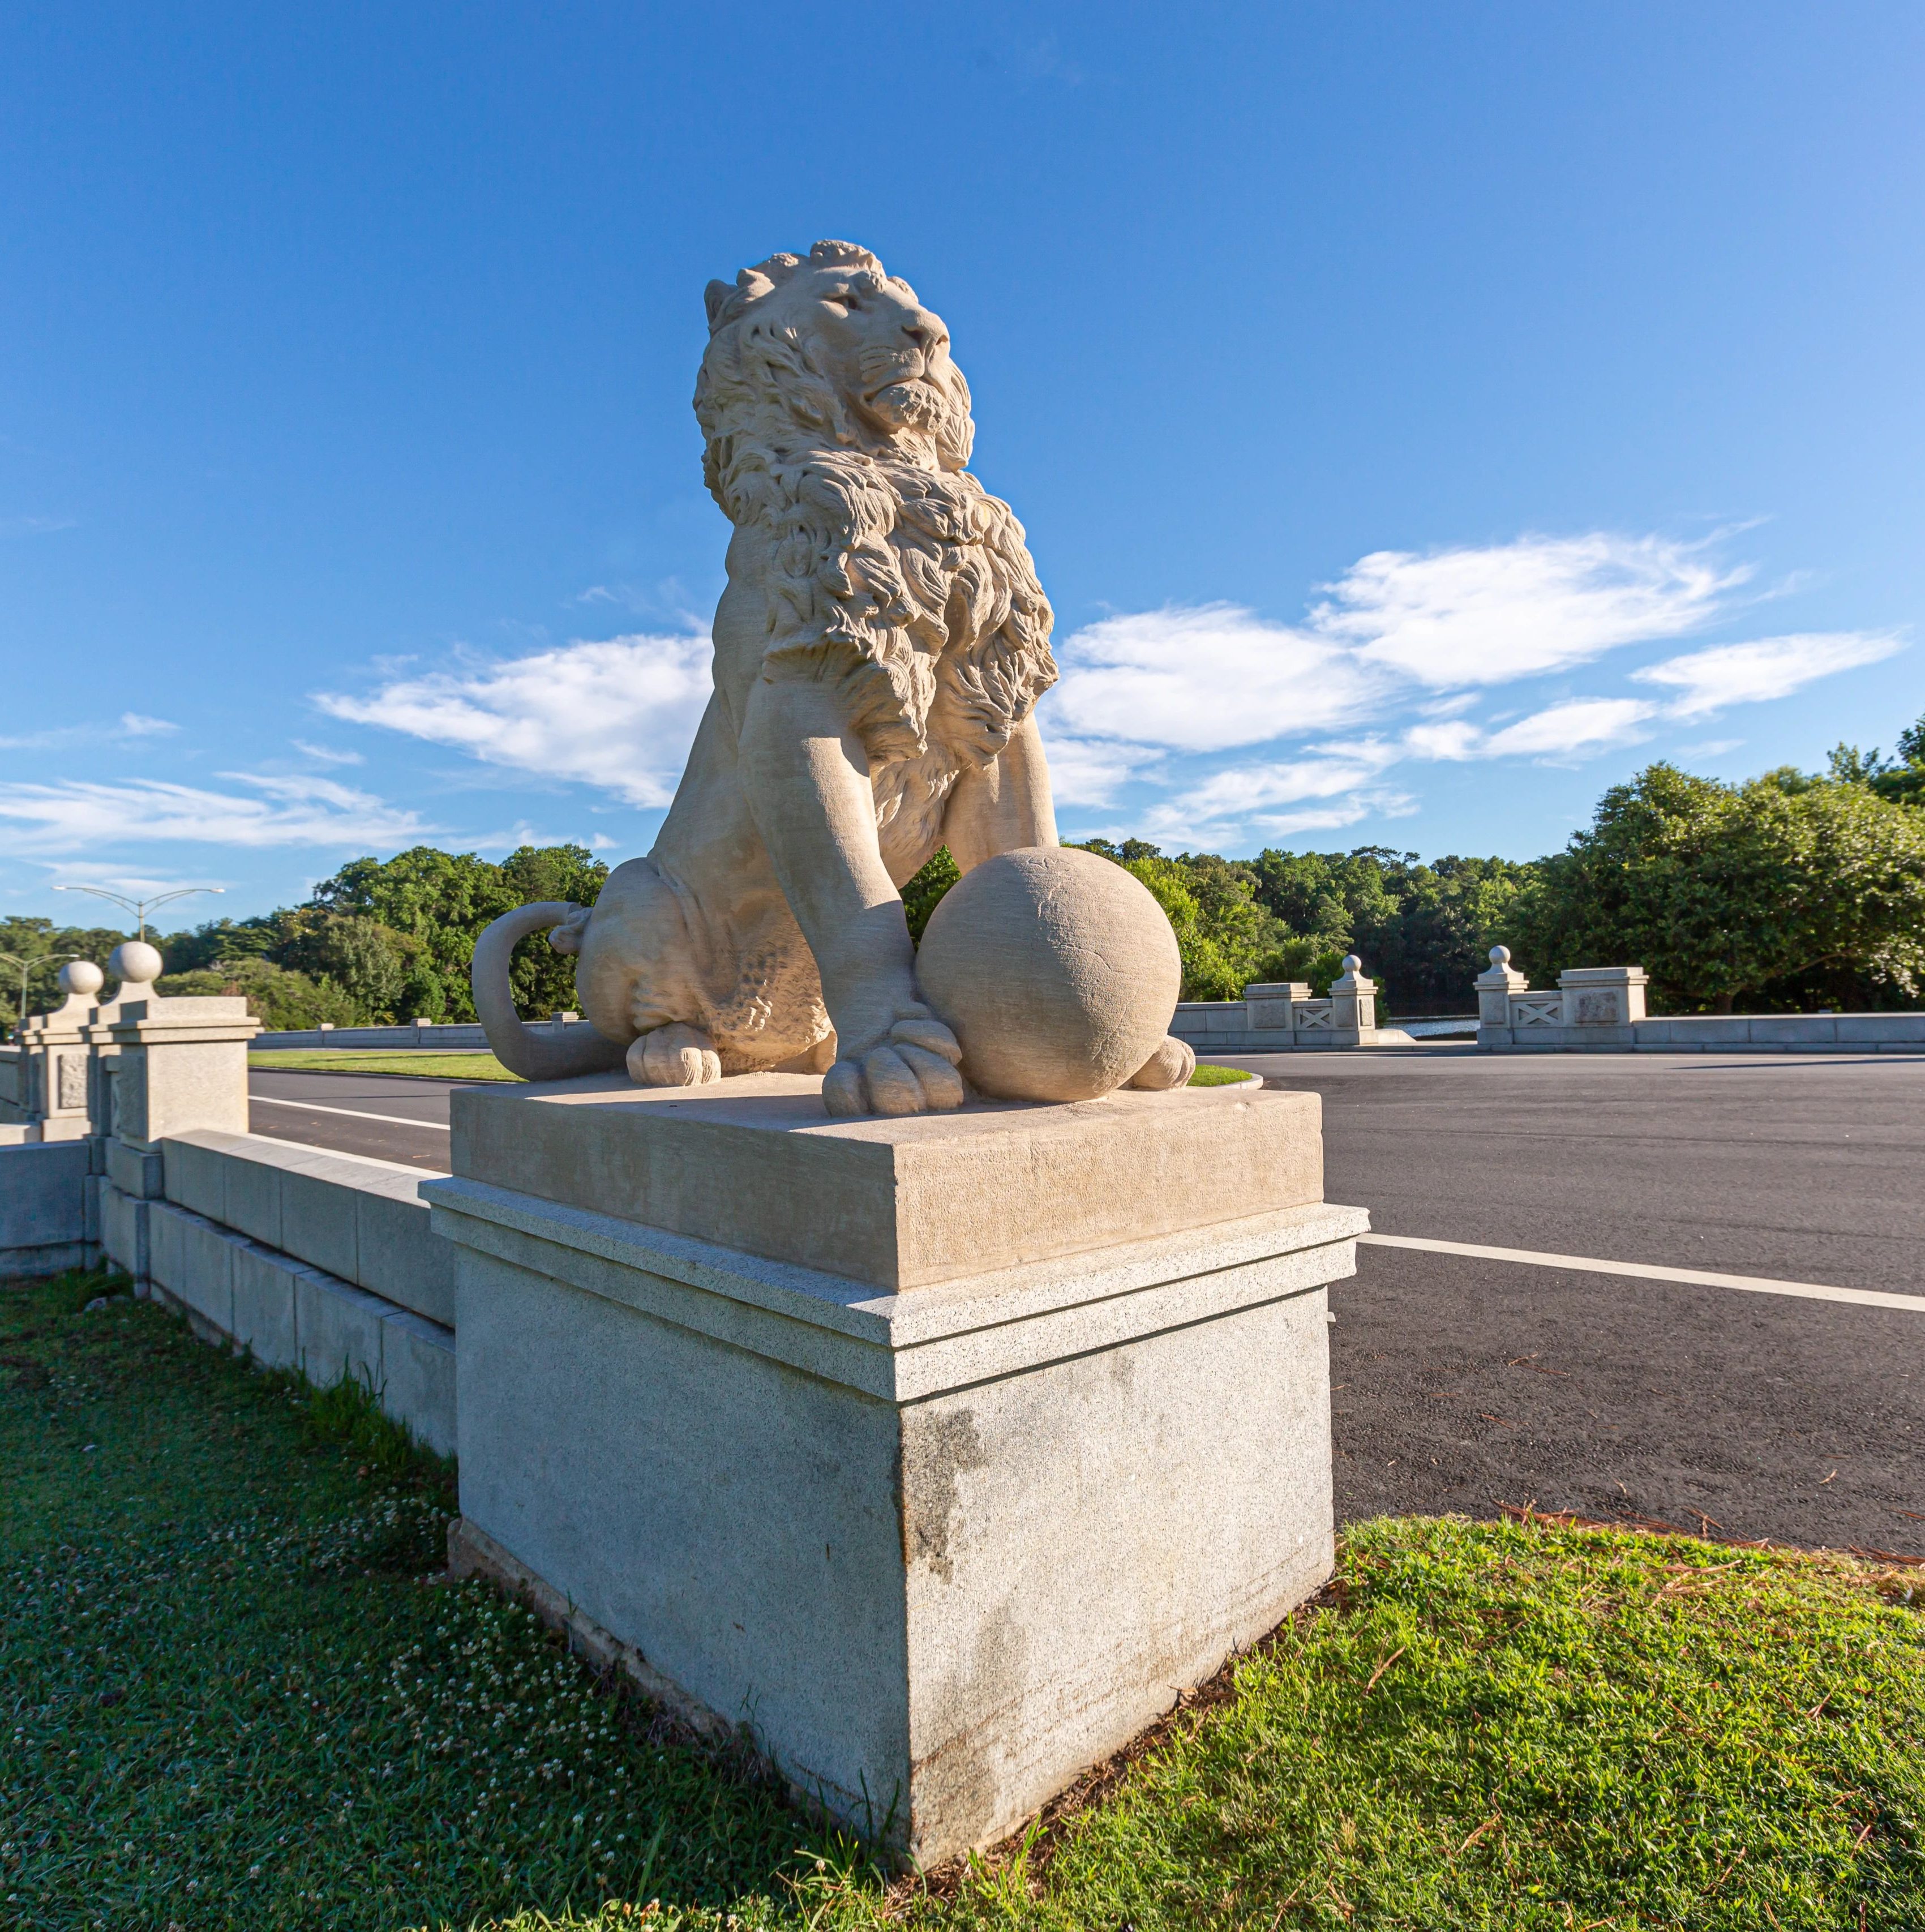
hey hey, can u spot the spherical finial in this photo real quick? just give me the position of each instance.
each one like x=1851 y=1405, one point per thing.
x=134 y=963
x=1352 y=964
x=1500 y=955
x=82 y=976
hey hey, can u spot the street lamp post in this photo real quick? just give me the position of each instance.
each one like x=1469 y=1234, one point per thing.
x=140 y=908
x=26 y=966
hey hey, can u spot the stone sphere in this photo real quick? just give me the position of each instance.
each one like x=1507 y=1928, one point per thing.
x=82 y=976
x=1056 y=970
x=133 y=962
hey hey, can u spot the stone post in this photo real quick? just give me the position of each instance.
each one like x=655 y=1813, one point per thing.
x=1603 y=996
x=54 y=1054
x=1266 y=1005
x=168 y=1067
x=1352 y=1005
x=1494 y=989
x=43 y=1088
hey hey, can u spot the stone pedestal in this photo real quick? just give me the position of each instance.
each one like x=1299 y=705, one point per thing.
x=1495 y=988
x=162 y=1067
x=942 y=1453
x=1603 y=996
x=53 y=1077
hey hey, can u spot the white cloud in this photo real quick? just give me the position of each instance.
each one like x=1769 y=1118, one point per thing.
x=1206 y=677
x=129 y=725
x=1089 y=771
x=1487 y=616
x=1583 y=725
x=620 y=714
x=1456 y=740
x=291 y=812
x=1767 y=667
x=326 y=755
x=1253 y=794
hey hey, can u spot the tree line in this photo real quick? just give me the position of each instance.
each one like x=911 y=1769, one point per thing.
x=1785 y=892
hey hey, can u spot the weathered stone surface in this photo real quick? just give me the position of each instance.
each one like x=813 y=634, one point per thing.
x=264 y=1312
x=418 y=1377
x=754 y=1164
x=338 y=1328
x=952 y=1521
x=1057 y=971
x=355 y=1217
x=43 y=1208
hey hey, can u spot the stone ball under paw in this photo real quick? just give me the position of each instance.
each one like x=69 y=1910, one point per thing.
x=1056 y=969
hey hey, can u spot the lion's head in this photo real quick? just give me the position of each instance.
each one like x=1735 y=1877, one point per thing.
x=829 y=349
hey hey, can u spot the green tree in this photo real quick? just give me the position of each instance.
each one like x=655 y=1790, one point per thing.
x=277 y=996
x=371 y=963
x=1766 y=891
x=46 y=947
x=924 y=892
x=1901 y=779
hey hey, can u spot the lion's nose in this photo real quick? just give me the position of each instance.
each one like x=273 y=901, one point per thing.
x=924 y=330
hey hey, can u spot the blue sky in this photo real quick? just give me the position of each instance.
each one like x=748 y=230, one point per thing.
x=1423 y=414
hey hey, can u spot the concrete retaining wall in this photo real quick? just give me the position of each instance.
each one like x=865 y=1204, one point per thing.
x=1721 y=1032
x=451 y=1037
x=289 y=1315
x=321 y=1262
x=361 y=1219
x=45 y=1225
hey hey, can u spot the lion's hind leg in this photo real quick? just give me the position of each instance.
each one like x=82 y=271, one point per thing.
x=675 y=1055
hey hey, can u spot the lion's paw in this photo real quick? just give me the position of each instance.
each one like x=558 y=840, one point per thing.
x=1169 y=1066
x=913 y=1071
x=673 y=1056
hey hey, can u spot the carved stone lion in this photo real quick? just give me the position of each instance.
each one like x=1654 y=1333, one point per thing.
x=879 y=652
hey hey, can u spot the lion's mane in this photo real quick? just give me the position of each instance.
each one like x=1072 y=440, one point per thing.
x=886 y=552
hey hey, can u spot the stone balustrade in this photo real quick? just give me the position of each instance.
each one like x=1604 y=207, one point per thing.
x=129 y=1143
x=1601 y=1009
x=1280 y=1016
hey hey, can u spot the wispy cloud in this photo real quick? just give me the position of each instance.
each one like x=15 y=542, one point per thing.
x=1092 y=771
x=1490 y=615
x=1208 y=677
x=35 y=526
x=77 y=813
x=620 y=714
x=326 y=755
x=1580 y=725
x=129 y=725
x=1707 y=681
x=1151 y=696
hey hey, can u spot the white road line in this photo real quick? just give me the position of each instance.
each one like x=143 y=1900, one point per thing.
x=1752 y=1284
x=351 y=1113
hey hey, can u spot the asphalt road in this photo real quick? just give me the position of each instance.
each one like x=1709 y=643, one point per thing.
x=390 y=1117
x=1465 y=1384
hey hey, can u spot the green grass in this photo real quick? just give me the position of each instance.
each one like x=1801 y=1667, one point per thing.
x=1208 y=1075
x=422 y=1063
x=237 y=1696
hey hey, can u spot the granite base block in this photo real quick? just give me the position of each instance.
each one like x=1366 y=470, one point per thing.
x=938 y=1548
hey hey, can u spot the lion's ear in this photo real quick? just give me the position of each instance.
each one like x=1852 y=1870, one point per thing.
x=716 y=296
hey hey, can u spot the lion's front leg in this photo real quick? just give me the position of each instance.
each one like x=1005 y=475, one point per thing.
x=1004 y=807
x=806 y=777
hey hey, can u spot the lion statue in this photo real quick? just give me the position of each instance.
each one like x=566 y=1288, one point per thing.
x=880 y=650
